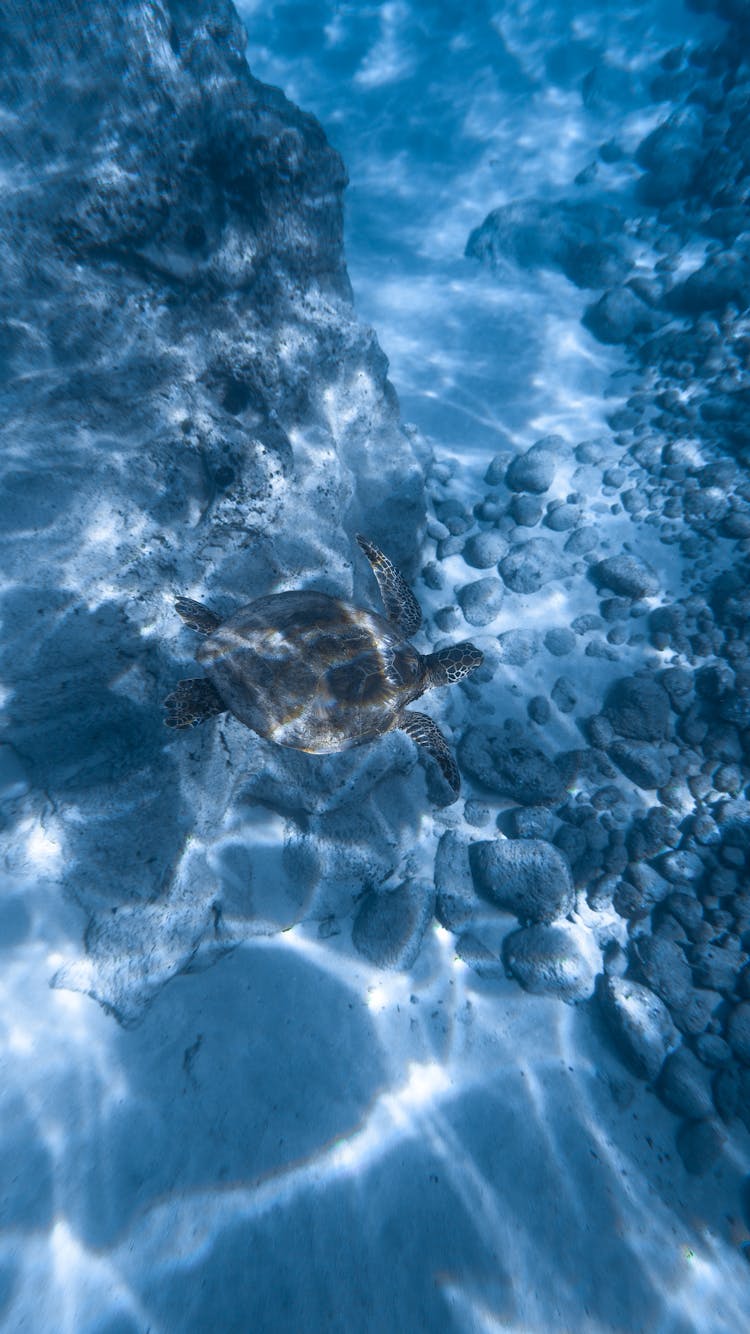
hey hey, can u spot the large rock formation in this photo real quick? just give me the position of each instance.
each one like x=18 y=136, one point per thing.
x=189 y=406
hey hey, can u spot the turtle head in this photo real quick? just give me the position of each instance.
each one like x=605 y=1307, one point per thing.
x=452 y=664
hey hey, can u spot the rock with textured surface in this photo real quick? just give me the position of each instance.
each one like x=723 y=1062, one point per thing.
x=699 y=1144
x=530 y=565
x=738 y=1032
x=528 y=877
x=389 y=924
x=638 y=708
x=511 y=765
x=645 y=765
x=561 y=960
x=535 y=470
x=481 y=600
x=627 y=575
x=685 y=1085
x=639 y=1022
x=187 y=398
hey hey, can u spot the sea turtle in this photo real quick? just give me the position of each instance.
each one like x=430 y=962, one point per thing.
x=310 y=671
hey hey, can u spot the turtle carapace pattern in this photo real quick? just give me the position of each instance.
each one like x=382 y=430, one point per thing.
x=316 y=673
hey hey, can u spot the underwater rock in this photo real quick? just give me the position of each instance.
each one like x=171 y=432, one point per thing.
x=481 y=600
x=685 y=1085
x=561 y=234
x=645 y=765
x=192 y=402
x=627 y=575
x=509 y=764
x=457 y=900
x=670 y=155
x=525 y=509
x=640 y=1023
x=559 y=641
x=561 y=960
x=389 y=924
x=527 y=877
x=517 y=647
x=662 y=965
x=699 y=1144
x=483 y=550
x=563 y=695
x=638 y=708
x=535 y=470
x=738 y=1032
x=530 y=565
x=618 y=315
x=480 y=958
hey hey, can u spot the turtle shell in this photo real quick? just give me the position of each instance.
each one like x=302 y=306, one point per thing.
x=310 y=671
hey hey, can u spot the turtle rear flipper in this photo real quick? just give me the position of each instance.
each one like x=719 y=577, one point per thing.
x=192 y=702
x=197 y=616
x=401 y=606
x=427 y=734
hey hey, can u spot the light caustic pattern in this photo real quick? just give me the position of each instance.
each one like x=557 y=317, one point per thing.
x=464 y=1148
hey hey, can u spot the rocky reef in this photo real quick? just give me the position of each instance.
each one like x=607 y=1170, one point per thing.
x=189 y=405
x=653 y=832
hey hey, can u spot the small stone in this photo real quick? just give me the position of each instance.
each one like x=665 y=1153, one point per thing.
x=712 y=1050
x=738 y=1032
x=627 y=575
x=481 y=601
x=433 y=576
x=389 y=924
x=638 y=708
x=535 y=470
x=476 y=813
x=682 y=867
x=526 y=510
x=531 y=822
x=479 y=958
x=530 y=565
x=714 y=967
x=560 y=960
x=583 y=625
x=561 y=518
x=539 y=710
x=581 y=541
x=644 y=764
x=447 y=618
x=685 y=1085
x=484 y=550
x=496 y=470
x=640 y=1023
x=559 y=641
x=615 y=609
x=662 y=965
x=517 y=647
x=507 y=763
x=563 y=695
x=527 y=877
x=600 y=731
x=699 y=1144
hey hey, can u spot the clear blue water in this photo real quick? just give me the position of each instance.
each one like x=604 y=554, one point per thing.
x=284 y=1135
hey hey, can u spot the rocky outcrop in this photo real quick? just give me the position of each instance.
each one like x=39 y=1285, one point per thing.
x=189 y=406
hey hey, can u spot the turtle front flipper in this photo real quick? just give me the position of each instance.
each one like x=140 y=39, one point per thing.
x=197 y=616
x=401 y=606
x=192 y=702
x=427 y=734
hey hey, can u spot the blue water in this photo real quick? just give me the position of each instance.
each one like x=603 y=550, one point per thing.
x=442 y=114
x=225 y=1115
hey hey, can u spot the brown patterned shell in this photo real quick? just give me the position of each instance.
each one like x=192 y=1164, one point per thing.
x=310 y=671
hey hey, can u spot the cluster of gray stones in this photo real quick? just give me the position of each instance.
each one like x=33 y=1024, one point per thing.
x=634 y=894
x=674 y=986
